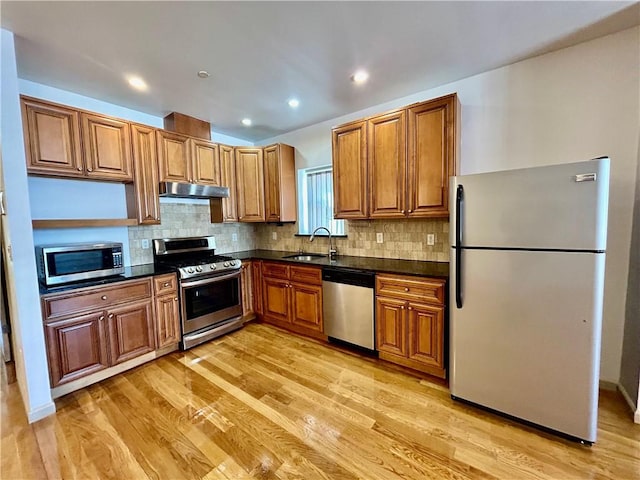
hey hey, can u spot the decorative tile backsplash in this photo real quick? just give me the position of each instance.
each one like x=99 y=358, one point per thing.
x=189 y=220
x=405 y=239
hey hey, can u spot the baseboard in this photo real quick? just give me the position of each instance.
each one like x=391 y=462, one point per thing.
x=632 y=404
x=606 y=385
x=41 y=412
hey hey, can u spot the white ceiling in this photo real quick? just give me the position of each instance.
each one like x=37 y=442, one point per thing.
x=260 y=54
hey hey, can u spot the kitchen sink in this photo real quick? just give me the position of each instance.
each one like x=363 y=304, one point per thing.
x=305 y=257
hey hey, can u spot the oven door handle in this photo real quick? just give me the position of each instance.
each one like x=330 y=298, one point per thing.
x=195 y=283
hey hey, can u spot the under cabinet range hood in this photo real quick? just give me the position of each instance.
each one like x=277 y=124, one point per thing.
x=192 y=190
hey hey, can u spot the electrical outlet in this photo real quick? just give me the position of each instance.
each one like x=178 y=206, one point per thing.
x=379 y=237
x=234 y=237
x=145 y=243
x=431 y=239
x=274 y=235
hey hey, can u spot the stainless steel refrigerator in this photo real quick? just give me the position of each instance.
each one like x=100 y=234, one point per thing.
x=526 y=292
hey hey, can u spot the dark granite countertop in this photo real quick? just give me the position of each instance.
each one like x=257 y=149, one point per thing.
x=380 y=265
x=130 y=273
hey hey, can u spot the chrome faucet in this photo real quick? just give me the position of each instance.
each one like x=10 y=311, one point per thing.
x=332 y=251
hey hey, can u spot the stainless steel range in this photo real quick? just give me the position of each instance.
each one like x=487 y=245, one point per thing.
x=210 y=290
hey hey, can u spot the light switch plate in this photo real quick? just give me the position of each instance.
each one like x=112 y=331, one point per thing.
x=234 y=237
x=431 y=239
x=144 y=243
x=274 y=235
x=379 y=237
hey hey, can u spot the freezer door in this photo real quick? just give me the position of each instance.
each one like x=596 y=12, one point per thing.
x=526 y=341
x=556 y=207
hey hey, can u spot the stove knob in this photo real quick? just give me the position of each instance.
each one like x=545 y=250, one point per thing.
x=226 y=264
x=198 y=269
x=212 y=266
x=190 y=269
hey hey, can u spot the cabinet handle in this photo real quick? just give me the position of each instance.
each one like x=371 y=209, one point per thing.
x=101 y=318
x=165 y=284
x=103 y=297
x=406 y=289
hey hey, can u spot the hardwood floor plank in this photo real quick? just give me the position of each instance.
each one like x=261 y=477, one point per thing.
x=262 y=403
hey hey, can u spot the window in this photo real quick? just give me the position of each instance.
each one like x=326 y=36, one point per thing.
x=315 y=201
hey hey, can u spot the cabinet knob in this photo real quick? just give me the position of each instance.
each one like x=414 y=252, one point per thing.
x=101 y=317
x=175 y=299
x=166 y=284
x=406 y=289
x=111 y=314
x=402 y=307
x=410 y=308
x=104 y=297
x=409 y=211
x=89 y=169
x=402 y=211
x=79 y=169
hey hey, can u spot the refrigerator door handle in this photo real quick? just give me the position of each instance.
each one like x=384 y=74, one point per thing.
x=459 y=200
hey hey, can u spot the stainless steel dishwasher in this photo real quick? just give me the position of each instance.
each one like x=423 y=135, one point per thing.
x=348 y=305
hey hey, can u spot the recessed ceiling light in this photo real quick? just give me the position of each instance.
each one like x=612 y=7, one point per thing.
x=137 y=83
x=203 y=74
x=359 y=77
x=246 y=122
x=294 y=102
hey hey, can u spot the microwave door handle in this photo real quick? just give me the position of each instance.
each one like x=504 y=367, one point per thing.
x=202 y=281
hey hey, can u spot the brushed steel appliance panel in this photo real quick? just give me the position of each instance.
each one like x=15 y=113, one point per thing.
x=349 y=313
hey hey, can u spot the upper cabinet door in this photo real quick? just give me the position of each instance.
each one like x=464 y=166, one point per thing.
x=387 y=159
x=52 y=139
x=271 y=184
x=350 y=171
x=174 y=157
x=228 y=179
x=432 y=156
x=250 y=184
x=206 y=162
x=107 y=148
x=144 y=201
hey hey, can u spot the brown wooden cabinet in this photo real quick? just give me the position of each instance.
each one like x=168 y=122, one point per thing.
x=228 y=179
x=279 y=183
x=174 y=157
x=143 y=202
x=66 y=142
x=256 y=274
x=405 y=162
x=166 y=313
x=292 y=297
x=350 y=171
x=410 y=322
x=205 y=158
x=250 y=184
x=93 y=328
x=52 y=139
x=386 y=148
x=106 y=144
x=246 y=285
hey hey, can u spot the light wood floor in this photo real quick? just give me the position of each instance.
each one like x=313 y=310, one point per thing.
x=261 y=403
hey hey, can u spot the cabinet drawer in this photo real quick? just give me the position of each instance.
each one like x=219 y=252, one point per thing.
x=163 y=284
x=308 y=275
x=426 y=290
x=277 y=270
x=94 y=298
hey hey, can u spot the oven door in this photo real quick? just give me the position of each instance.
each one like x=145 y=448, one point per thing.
x=210 y=301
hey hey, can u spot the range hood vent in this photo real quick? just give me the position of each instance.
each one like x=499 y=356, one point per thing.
x=192 y=190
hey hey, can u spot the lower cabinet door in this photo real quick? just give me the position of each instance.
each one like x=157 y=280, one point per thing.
x=306 y=306
x=276 y=299
x=130 y=331
x=391 y=326
x=426 y=334
x=76 y=347
x=167 y=320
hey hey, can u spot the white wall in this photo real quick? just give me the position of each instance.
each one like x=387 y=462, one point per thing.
x=574 y=104
x=24 y=300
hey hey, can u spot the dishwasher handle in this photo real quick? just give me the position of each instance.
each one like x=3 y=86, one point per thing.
x=360 y=278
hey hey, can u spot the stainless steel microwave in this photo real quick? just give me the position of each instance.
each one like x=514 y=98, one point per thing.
x=72 y=262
